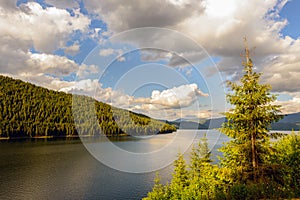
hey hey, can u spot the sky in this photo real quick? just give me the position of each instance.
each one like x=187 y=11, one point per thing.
x=165 y=58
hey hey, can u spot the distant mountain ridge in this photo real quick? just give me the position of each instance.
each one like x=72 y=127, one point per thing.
x=288 y=123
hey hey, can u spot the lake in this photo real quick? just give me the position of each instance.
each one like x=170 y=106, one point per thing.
x=65 y=169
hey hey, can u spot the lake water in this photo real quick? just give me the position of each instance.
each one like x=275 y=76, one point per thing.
x=65 y=169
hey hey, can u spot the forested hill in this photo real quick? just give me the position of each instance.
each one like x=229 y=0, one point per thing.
x=27 y=110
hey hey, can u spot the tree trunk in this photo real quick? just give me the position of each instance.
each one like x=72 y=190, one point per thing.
x=253 y=150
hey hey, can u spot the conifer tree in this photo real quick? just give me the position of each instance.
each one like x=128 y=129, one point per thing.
x=248 y=123
x=159 y=191
x=202 y=172
x=200 y=156
x=180 y=178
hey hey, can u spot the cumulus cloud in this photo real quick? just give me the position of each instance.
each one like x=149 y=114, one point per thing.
x=45 y=29
x=86 y=71
x=282 y=71
x=156 y=44
x=51 y=64
x=292 y=105
x=38 y=63
x=92 y=87
x=30 y=26
x=110 y=51
x=162 y=104
x=86 y=85
x=41 y=79
x=218 y=26
x=106 y=52
x=177 y=97
x=173 y=114
x=8 y=5
x=182 y=59
x=63 y=3
x=46 y=69
x=123 y=15
x=187 y=58
x=73 y=49
x=153 y=55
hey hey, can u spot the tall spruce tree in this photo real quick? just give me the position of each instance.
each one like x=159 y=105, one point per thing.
x=248 y=123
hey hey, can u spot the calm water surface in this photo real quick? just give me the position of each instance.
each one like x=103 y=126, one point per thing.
x=64 y=169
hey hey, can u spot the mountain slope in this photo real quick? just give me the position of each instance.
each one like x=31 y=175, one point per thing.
x=27 y=110
x=289 y=122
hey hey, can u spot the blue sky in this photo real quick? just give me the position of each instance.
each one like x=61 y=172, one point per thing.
x=291 y=12
x=178 y=67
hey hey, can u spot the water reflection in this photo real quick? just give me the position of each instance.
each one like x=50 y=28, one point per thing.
x=64 y=169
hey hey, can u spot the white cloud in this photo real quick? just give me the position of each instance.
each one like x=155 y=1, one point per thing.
x=121 y=59
x=292 y=105
x=63 y=3
x=186 y=58
x=41 y=79
x=110 y=51
x=282 y=71
x=220 y=29
x=73 y=49
x=47 y=69
x=92 y=87
x=44 y=29
x=155 y=55
x=219 y=8
x=173 y=114
x=216 y=25
x=8 y=5
x=86 y=86
x=51 y=64
x=18 y=62
x=162 y=104
x=106 y=52
x=123 y=15
x=86 y=71
x=177 y=97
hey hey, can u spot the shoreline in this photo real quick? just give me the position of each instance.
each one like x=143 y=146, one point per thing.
x=59 y=137
x=71 y=136
x=108 y=136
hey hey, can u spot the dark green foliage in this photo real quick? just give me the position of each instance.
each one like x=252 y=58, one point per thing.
x=180 y=176
x=287 y=154
x=27 y=110
x=207 y=181
x=239 y=192
x=268 y=190
x=160 y=191
x=180 y=180
x=200 y=181
x=248 y=123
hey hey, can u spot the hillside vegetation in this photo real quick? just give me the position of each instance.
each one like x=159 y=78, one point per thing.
x=27 y=110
